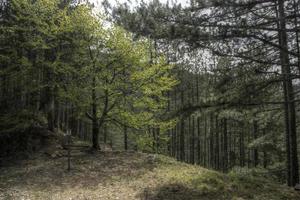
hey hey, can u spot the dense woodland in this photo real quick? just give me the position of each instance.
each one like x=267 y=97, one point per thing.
x=212 y=83
x=62 y=67
x=238 y=65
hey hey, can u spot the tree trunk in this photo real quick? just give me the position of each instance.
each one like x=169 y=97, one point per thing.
x=255 y=152
x=154 y=140
x=178 y=141
x=205 y=143
x=182 y=149
x=217 y=156
x=225 y=148
x=192 y=142
x=242 y=148
x=95 y=125
x=198 y=142
x=211 y=141
x=95 y=133
x=125 y=138
x=104 y=133
x=157 y=139
x=50 y=108
x=291 y=135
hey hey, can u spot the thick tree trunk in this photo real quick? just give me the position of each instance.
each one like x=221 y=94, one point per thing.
x=296 y=11
x=95 y=133
x=291 y=135
x=95 y=123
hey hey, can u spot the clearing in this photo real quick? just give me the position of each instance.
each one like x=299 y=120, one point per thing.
x=126 y=176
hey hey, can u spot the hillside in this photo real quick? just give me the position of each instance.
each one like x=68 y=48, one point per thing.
x=126 y=176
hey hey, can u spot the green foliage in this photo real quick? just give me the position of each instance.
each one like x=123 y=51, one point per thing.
x=56 y=53
x=21 y=121
x=128 y=85
x=145 y=142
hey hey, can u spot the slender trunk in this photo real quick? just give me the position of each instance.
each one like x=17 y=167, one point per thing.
x=265 y=154
x=125 y=138
x=198 y=142
x=172 y=142
x=178 y=141
x=67 y=115
x=217 y=161
x=192 y=142
x=78 y=128
x=233 y=157
x=211 y=141
x=225 y=148
x=197 y=88
x=248 y=150
x=205 y=143
x=255 y=153
x=242 y=149
x=50 y=114
x=104 y=134
x=182 y=153
x=154 y=140
x=157 y=139
x=182 y=127
x=230 y=146
x=58 y=116
x=265 y=159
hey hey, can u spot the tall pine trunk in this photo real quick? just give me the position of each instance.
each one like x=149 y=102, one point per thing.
x=255 y=152
x=291 y=135
x=182 y=146
x=225 y=148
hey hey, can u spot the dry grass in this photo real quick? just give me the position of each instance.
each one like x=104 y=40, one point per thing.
x=128 y=176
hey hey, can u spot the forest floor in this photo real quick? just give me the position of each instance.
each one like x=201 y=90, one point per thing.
x=128 y=176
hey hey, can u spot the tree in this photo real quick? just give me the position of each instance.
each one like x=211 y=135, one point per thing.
x=120 y=84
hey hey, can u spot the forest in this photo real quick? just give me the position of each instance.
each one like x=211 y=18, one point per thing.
x=149 y=99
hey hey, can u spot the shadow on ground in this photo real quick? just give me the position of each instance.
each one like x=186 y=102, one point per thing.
x=174 y=192
x=88 y=170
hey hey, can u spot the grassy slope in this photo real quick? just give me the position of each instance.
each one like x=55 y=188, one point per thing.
x=127 y=176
